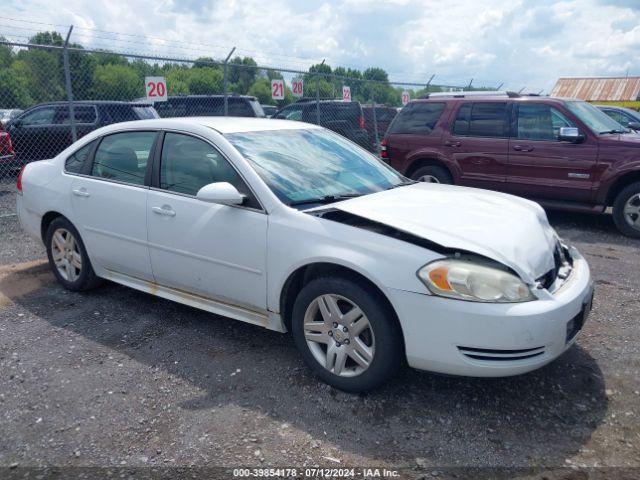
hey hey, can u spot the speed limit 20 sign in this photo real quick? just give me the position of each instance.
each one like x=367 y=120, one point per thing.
x=297 y=87
x=277 y=89
x=156 y=89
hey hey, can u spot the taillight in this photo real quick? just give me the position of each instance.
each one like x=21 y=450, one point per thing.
x=19 y=180
x=361 y=121
x=10 y=144
x=384 y=153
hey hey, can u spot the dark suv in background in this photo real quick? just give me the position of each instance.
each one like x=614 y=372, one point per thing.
x=562 y=153
x=345 y=118
x=44 y=131
x=383 y=117
x=209 y=106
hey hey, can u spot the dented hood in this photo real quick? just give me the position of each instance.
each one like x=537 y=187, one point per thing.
x=508 y=229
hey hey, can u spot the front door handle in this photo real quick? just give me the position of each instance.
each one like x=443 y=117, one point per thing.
x=452 y=143
x=164 y=210
x=81 y=192
x=523 y=148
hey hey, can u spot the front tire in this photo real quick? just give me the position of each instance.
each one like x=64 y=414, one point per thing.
x=68 y=257
x=626 y=210
x=347 y=335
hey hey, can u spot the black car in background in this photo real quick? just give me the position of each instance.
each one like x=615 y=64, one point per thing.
x=209 y=106
x=345 y=118
x=624 y=116
x=44 y=131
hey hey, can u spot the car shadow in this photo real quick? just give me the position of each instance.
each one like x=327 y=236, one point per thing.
x=541 y=418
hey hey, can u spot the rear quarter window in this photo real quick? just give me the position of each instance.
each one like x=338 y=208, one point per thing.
x=75 y=162
x=417 y=118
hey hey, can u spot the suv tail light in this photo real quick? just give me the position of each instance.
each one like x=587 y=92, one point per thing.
x=384 y=153
x=361 y=121
x=19 y=180
x=6 y=147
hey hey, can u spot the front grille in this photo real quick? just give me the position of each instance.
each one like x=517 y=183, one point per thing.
x=561 y=258
x=493 y=355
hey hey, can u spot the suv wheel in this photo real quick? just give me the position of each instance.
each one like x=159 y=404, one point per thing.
x=346 y=334
x=626 y=210
x=432 y=174
x=68 y=258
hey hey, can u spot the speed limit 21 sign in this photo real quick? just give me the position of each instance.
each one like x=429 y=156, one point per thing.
x=156 y=89
x=277 y=89
x=346 y=93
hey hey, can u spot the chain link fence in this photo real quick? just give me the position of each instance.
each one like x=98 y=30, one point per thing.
x=53 y=92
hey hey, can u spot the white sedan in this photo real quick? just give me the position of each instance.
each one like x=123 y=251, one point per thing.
x=291 y=227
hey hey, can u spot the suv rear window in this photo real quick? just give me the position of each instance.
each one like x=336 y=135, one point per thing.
x=420 y=118
x=482 y=119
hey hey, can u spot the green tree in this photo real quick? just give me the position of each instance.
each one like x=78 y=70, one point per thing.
x=47 y=38
x=116 y=82
x=14 y=89
x=205 y=81
x=244 y=74
x=43 y=71
x=6 y=55
x=177 y=80
x=261 y=89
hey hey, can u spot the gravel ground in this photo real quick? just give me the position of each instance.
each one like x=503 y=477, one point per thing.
x=118 y=378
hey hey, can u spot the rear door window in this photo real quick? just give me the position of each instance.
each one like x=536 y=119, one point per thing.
x=482 y=119
x=417 y=118
x=123 y=157
x=83 y=114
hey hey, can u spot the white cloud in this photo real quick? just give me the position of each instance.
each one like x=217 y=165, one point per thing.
x=526 y=42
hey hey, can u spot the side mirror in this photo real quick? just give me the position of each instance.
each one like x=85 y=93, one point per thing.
x=571 y=134
x=634 y=126
x=222 y=193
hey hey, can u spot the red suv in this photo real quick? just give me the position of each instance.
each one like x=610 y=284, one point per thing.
x=562 y=153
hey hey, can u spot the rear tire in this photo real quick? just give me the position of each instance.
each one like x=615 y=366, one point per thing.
x=432 y=174
x=626 y=210
x=359 y=347
x=68 y=257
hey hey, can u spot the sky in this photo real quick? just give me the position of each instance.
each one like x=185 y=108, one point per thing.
x=521 y=43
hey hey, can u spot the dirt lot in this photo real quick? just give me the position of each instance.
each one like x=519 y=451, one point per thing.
x=117 y=378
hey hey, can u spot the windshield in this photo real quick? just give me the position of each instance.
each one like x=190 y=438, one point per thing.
x=598 y=121
x=304 y=165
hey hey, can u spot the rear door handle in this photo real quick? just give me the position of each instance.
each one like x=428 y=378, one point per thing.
x=81 y=192
x=452 y=143
x=523 y=148
x=164 y=210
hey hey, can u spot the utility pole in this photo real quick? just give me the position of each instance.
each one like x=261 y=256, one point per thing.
x=224 y=82
x=67 y=81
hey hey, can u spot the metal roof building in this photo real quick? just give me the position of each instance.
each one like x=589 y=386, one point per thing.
x=599 y=89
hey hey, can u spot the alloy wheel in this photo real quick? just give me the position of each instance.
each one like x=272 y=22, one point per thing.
x=66 y=254
x=339 y=335
x=428 y=179
x=632 y=211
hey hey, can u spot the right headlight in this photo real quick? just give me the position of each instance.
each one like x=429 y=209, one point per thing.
x=466 y=280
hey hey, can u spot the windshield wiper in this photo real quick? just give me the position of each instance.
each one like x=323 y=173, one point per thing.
x=325 y=199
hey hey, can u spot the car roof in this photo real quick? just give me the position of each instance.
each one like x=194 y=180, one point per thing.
x=220 y=124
